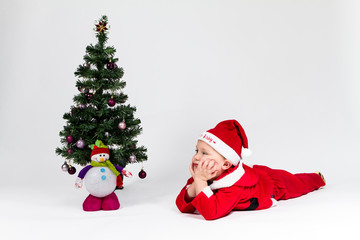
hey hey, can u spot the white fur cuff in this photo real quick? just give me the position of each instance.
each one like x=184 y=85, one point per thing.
x=208 y=192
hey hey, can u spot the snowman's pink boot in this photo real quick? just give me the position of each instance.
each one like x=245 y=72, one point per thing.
x=110 y=202
x=92 y=203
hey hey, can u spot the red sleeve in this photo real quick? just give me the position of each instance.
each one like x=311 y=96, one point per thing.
x=216 y=205
x=183 y=201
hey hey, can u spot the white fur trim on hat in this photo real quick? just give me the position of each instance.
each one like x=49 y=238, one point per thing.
x=220 y=147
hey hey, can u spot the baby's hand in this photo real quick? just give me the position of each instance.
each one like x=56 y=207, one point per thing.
x=205 y=170
x=191 y=169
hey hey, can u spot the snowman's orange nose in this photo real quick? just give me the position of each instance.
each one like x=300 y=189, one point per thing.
x=102 y=159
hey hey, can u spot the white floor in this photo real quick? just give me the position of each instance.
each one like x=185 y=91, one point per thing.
x=148 y=211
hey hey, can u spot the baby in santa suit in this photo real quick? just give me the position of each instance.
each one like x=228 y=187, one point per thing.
x=221 y=183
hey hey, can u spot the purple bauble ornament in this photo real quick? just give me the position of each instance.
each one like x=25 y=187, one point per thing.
x=111 y=102
x=69 y=151
x=82 y=106
x=69 y=139
x=132 y=158
x=122 y=125
x=110 y=65
x=72 y=170
x=73 y=111
x=80 y=143
x=142 y=174
x=89 y=96
x=65 y=167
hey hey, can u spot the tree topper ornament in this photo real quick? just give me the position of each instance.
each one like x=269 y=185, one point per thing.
x=101 y=178
x=101 y=27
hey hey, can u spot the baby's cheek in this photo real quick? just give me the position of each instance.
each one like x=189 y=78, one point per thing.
x=217 y=166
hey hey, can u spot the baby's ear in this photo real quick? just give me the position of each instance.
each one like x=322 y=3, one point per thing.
x=227 y=164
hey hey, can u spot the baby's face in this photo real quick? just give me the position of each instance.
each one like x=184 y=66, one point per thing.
x=205 y=151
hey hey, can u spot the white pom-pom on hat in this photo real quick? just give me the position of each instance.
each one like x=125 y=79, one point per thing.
x=246 y=153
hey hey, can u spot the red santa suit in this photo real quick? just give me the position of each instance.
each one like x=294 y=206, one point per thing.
x=246 y=188
x=242 y=187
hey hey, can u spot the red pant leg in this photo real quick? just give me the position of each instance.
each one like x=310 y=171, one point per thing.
x=288 y=185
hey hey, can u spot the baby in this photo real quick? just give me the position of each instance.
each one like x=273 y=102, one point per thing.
x=221 y=183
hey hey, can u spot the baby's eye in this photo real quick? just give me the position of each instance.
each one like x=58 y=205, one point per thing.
x=196 y=151
x=205 y=153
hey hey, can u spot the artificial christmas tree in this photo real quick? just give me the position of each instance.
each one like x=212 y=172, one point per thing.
x=99 y=110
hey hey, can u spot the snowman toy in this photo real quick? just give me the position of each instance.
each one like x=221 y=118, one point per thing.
x=101 y=178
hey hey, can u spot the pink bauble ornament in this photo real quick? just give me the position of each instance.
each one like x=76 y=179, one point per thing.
x=132 y=158
x=69 y=139
x=65 y=167
x=122 y=125
x=111 y=102
x=69 y=151
x=82 y=106
x=80 y=143
x=142 y=174
x=83 y=90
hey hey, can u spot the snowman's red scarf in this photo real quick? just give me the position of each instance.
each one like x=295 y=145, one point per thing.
x=105 y=164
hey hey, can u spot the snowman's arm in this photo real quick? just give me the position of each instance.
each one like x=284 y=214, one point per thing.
x=118 y=168
x=123 y=171
x=83 y=172
x=78 y=183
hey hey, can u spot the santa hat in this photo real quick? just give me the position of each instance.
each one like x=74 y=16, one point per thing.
x=99 y=147
x=229 y=139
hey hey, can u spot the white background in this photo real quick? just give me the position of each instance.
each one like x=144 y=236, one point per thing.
x=288 y=71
